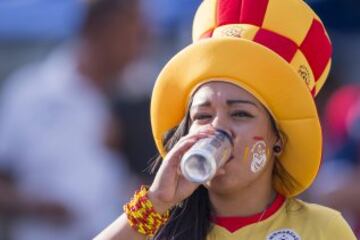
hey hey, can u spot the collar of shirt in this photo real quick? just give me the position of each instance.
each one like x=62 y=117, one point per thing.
x=233 y=224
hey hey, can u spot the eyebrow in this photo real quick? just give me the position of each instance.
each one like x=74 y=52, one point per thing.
x=228 y=102
x=232 y=102
x=202 y=104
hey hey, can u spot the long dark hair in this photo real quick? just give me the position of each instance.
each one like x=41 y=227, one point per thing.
x=191 y=219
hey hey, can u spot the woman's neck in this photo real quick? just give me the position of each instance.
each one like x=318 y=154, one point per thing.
x=248 y=201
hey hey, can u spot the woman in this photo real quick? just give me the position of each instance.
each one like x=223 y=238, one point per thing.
x=241 y=80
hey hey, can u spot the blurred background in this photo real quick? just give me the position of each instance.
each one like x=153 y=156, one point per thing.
x=75 y=84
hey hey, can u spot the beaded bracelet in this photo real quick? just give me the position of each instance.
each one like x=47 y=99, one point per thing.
x=142 y=215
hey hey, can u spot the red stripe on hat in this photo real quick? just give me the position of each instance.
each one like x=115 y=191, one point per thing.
x=283 y=46
x=207 y=34
x=317 y=48
x=313 y=91
x=228 y=12
x=253 y=11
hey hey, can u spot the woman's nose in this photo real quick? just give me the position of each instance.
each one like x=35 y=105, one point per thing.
x=221 y=123
x=218 y=121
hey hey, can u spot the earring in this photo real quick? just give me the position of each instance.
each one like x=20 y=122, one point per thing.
x=277 y=149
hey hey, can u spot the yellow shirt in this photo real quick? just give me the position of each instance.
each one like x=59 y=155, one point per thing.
x=294 y=220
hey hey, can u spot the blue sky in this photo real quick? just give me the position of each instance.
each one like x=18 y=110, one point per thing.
x=34 y=19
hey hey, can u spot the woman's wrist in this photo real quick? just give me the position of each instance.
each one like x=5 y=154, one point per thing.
x=160 y=206
x=142 y=215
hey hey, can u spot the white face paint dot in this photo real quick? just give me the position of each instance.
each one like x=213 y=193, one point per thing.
x=258 y=156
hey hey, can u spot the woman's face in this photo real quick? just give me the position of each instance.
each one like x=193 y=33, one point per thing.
x=231 y=108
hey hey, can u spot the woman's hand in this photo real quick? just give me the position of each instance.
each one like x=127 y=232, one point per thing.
x=169 y=186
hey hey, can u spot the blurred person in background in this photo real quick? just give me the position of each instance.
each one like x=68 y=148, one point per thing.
x=60 y=177
x=337 y=184
x=167 y=31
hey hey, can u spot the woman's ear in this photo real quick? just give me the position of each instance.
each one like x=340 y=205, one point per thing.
x=278 y=147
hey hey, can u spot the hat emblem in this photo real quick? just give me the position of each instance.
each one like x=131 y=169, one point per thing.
x=304 y=74
x=232 y=32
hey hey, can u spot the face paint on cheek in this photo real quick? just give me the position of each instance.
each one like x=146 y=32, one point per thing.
x=259 y=156
x=246 y=153
x=257 y=138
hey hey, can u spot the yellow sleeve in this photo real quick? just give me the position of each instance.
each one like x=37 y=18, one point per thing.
x=338 y=229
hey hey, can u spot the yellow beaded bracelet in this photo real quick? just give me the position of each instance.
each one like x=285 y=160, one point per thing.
x=142 y=215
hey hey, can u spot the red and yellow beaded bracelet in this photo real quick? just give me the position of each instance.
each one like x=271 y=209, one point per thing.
x=142 y=215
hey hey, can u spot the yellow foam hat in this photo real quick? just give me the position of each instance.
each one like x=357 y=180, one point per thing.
x=280 y=68
x=288 y=27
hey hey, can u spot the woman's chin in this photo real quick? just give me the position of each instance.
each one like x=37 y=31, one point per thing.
x=220 y=184
x=227 y=183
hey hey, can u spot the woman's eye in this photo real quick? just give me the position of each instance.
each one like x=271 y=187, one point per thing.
x=241 y=114
x=201 y=116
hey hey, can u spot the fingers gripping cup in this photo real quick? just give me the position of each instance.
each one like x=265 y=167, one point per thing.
x=201 y=162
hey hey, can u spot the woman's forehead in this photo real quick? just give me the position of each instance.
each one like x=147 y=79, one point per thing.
x=221 y=90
